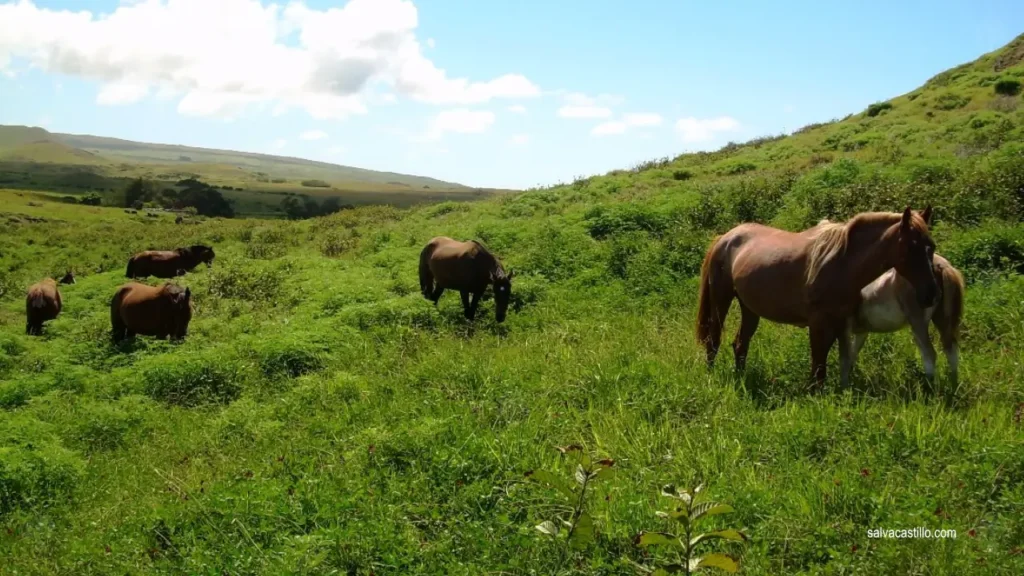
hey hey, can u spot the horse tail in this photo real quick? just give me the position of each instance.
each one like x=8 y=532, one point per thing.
x=426 y=278
x=714 y=299
x=949 y=314
x=117 y=326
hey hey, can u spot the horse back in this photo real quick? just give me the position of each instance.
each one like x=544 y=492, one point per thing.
x=459 y=265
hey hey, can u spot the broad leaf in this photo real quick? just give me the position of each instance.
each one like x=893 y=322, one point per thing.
x=550 y=479
x=581 y=475
x=602 y=474
x=720 y=561
x=548 y=527
x=728 y=534
x=679 y=514
x=698 y=489
x=645 y=539
x=583 y=534
x=709 y=509
x=669 y=569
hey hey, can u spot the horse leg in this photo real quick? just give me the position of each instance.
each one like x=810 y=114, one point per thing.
x=465 y=304
x=950 y=347
x=823 y=336
x=474 y=303
x=740 y=345
x=846 y=356
x=438 y=290
x=919 y=326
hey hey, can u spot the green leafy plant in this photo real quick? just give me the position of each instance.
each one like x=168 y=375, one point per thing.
x=574 y=523
x=688 y=509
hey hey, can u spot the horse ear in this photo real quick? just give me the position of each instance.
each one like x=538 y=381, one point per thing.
x=905 y=222
x=927 y=215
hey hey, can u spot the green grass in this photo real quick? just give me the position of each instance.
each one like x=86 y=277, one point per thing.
x=322 y=417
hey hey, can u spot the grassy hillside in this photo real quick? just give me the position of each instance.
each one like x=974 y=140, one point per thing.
x=32 y=158
x=322 y=417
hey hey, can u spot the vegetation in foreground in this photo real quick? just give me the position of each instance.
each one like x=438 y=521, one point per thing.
x=322 y=417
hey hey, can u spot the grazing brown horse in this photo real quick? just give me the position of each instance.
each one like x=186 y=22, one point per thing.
x=168 y=263
x=159 y=311
x=888 y=305
x=43 y=303
x=467 y=267
x=810 y=278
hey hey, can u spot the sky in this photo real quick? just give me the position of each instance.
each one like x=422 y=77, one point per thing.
x=492 y=94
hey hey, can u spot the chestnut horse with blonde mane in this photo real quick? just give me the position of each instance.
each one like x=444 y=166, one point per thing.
x=811 y=279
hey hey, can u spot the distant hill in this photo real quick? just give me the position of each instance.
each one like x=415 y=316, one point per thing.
x=34 y=158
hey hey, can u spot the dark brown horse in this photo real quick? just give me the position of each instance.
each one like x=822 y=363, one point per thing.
x=43 y=303
x=467 y=267
x=159 y=311
x=168 y=263
x=809 y=279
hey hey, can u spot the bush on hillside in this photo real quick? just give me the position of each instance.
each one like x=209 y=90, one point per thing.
x=951 y=101
x=315 y=184
x=1007 y=86
x=990 y=251
x=878 y=107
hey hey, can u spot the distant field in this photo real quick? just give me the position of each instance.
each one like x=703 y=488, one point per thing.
x=32 y=158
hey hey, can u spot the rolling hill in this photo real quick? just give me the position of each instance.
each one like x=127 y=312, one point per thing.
x=33 y=158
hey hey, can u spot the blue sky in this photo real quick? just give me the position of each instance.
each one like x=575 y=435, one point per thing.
x=503 y=94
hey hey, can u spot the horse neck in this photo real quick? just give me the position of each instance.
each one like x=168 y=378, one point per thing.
x=871 y=245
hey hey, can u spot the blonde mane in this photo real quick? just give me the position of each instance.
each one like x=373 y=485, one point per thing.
x=830 y=239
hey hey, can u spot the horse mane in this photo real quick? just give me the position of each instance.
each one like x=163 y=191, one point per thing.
x=498 y=271
x=830 y=239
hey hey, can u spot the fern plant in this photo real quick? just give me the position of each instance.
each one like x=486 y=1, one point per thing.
x=688 y=509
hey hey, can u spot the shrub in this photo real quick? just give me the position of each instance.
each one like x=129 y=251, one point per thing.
x=603 y=220
x=877 y=108
x=191 y=381
x=35 y=474
x=990 y=251
x=682 y=175
x=1007 y=86
x=951 y=101
x=291 y=357
x=315 y=184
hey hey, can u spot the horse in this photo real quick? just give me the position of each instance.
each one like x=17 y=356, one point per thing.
x=888 y=305
x=168 y=263
x=810 y=279
x=43 y=302
x=161 y=311
x=468 y=267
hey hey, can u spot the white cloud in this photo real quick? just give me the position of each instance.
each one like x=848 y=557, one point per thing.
x=628 y=121
x=313 y=135
x=241 y=53
x=459 y=121
x=517 y=109
x=703 y=130
x=430 y=43
x=584 y=112
x=520 y=139
x=121 y=93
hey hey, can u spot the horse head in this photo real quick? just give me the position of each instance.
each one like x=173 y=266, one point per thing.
x=502 y=291
x=68 y=278
x=915 y=251
x=181 y=309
